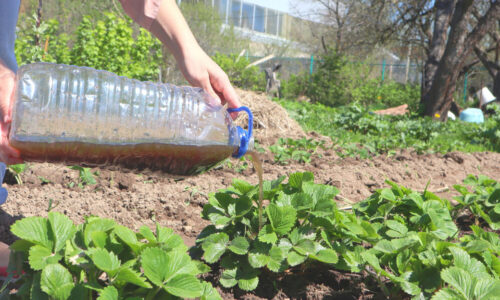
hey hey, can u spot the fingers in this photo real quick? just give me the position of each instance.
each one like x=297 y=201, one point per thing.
x=225 y=90
x=8 y=154
x=214 y=99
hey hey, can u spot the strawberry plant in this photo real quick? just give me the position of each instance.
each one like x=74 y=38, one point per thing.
x=101 y=259
x=300 y=150
x=17 y=170
x=483 y=202
x=467 y=279
x=286 y=235
x=86 y=176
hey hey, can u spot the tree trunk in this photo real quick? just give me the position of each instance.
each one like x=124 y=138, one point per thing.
x=444 y=11
x=493 y=68
x=437 y=100
x=496 y=86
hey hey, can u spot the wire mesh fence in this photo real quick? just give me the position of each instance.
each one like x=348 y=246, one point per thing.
x=399 y=72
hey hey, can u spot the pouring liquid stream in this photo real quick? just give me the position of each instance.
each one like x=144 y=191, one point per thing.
x=257 y=164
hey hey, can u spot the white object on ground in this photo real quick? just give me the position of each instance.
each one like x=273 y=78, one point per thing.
x=485 y=96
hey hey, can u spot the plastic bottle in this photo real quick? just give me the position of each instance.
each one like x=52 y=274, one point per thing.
x=79 y=115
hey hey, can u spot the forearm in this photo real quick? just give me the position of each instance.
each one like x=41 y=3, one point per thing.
x=164 y=19
x=171 y=28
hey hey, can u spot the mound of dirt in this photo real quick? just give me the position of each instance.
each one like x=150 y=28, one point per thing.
x=270 y=120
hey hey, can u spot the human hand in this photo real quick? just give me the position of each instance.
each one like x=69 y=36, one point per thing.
x=8 y=154
x=201 y=71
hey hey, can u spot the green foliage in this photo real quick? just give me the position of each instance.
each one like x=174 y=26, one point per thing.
x=287 y=235
x=337 y=81
x=483 y=201
x=386 y=94
x=358 y=132
x=51 y=46
x=108 y=44
x=300 y=150
x=408 y=237
x=467 y=279
x=103 y=260
x=295 y=86
x=86 y=176
x=323 y=86
x=17 y=170
x=250 y=78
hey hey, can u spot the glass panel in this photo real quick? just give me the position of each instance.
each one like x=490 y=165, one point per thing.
x=272 y=21
x=235 y=13
x=280 y=24
x=247 y=16
x=260 y=19
x=220 y=6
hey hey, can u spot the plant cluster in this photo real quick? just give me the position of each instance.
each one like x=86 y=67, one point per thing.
x=337 y=81
x=242 y=76
x=300 y=150
x=374 y=92
x=108 y=44
x=85 y=175
x=246 y=238
x=358 y=132
x=406 y=241
x=100 y=259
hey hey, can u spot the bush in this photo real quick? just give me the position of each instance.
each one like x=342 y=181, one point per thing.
x=324 y=87
x=51 y=46
x=236 y=68
x=387 y=94
x=336 y=82
x=295 y=86
x=108 y=44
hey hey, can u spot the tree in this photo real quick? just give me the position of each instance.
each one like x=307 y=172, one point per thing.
x=456 y=32
x=492 y=65
x=445 y=31
x=341 y=25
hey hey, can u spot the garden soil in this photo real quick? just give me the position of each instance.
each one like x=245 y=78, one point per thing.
x=134 y=199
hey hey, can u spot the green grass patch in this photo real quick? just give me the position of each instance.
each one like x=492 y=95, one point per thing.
x=358 y=132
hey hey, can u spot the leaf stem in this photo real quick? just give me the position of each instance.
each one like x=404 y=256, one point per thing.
x=151 y=295
x=382 y=285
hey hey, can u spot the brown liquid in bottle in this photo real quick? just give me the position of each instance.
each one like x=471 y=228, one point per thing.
x=257 y=164
x=170 y=158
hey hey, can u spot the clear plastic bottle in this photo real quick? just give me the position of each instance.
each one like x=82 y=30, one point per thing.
x=79 y=115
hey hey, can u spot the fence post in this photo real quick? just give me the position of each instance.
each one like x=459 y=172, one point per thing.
x=465 y=86
x=383 y=69
x=311 y=67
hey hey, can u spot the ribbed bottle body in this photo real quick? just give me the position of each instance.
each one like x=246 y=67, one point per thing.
x=80 y=115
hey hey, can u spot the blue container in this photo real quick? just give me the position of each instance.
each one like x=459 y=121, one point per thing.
x=473 y=115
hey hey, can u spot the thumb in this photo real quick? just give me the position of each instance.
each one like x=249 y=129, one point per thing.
x=7 y=88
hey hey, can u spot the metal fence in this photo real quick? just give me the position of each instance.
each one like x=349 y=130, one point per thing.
x=399 y=72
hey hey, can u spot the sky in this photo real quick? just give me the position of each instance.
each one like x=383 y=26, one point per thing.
x=293 y=7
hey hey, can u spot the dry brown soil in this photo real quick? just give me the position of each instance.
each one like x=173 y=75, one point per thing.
x=134 y=199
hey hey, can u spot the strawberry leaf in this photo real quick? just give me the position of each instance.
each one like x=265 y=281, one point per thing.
x=56 y=281
x=35 y=230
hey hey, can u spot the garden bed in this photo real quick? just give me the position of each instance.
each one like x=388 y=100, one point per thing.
x=134 y=199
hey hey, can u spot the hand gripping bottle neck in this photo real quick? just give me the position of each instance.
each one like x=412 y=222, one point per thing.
x=244 y=135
